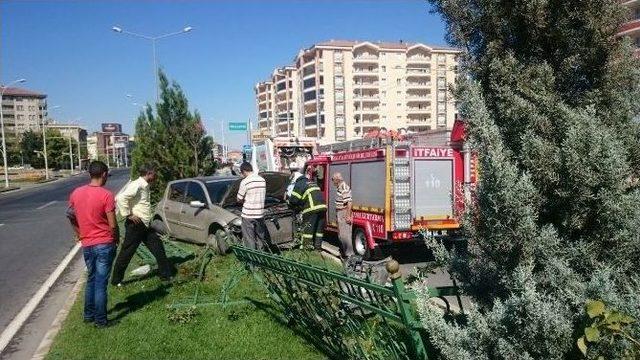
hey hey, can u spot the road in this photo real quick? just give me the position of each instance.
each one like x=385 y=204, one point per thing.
x=34 y=237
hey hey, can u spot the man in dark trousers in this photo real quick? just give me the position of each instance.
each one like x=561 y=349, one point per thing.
x=134 y=204
x=307 y=199
x=92 y=215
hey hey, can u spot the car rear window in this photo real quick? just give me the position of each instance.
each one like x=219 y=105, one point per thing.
x=218 y=188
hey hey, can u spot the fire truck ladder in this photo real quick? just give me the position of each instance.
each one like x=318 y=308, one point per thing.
x=353 y=145
x=401 y=177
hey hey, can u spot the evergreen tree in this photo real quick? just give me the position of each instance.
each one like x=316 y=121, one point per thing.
x=550 y=98
x=173 y=139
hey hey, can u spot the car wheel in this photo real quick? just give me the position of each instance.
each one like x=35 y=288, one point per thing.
x=158 y=226
x=218 y=241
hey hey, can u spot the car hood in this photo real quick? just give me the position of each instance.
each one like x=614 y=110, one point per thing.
x=276 y=188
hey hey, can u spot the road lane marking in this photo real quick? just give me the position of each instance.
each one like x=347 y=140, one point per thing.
x=10 y=331
x=45 y=205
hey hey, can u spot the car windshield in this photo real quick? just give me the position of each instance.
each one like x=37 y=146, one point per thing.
x=218 y=188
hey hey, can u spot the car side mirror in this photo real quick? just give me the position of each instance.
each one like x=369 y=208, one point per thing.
x=197 y=204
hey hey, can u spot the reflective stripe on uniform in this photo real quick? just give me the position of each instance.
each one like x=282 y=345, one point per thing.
x=309 y=190
x=313 y=208
x=296 y=195
x=319 y=235
x=307 y=236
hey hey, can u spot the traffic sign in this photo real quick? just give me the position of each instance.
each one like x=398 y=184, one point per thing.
x=237 y=126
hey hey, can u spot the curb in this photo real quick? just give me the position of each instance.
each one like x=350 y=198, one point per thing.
x=9 y=189
x=18 y=321
x=56 y=325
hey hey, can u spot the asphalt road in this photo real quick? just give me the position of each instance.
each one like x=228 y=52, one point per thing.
x=34 y=237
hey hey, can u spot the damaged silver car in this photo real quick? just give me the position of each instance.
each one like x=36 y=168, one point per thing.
x=205 y=210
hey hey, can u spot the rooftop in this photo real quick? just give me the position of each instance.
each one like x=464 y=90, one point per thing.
x=14 y=91
x=400 y=45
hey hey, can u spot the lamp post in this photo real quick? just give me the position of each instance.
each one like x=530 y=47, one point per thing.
x=4 y=143
x=153 y=40
x=44 y=141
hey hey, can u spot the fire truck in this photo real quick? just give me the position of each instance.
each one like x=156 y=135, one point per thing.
x=275 y=154
x=401 y=188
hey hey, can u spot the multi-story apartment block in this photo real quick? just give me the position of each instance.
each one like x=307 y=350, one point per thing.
x=632 y=27
x=22 y=110
x=340 y=90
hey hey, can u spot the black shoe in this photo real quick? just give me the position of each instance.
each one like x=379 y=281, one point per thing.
x=108 y=324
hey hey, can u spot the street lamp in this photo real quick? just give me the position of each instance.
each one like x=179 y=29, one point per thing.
x=4 y=143
x=153 y=40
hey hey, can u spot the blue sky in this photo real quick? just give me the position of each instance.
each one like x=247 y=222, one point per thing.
x=67 y=50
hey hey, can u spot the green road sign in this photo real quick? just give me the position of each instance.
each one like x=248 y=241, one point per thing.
x=237 y=126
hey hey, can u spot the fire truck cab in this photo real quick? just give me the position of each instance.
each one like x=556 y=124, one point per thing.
x=400 y=187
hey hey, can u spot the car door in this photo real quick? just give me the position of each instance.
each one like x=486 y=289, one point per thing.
x=172 y=208
x=194 y=219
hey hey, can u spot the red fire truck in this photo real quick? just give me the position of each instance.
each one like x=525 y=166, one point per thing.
x=399 y=187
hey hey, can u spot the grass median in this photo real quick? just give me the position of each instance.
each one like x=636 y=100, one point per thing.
x=155 y=321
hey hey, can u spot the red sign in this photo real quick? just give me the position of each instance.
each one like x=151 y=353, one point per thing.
x=432 y=152
x=360 y=155
x=375 y=220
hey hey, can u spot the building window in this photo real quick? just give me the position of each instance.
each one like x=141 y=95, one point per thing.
x=383 y=68
x=20 y=117
x=383 y=79
x=441 y=58
x=309 y=83
x=399 y=104
x=399 y=92
x=19 y=107
x=399 y=81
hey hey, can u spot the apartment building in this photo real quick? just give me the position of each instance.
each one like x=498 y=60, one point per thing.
x=76 y=132
x=632 y=27
x=22 y=110
x=339 y=90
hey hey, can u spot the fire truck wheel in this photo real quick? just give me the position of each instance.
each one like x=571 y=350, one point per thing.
x=360 y=246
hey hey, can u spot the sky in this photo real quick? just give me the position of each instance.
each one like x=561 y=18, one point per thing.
x=67 y=50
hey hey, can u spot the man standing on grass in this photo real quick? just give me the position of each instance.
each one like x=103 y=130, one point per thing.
x=252 y=194
x=134 y=204
x=92 y=215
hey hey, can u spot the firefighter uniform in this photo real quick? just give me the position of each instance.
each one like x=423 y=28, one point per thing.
x=307 y=199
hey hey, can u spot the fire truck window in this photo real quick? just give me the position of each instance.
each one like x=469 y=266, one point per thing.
x=319 y=177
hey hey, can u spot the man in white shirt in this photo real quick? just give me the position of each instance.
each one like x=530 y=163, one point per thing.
x=251 y=194
x=134 y=204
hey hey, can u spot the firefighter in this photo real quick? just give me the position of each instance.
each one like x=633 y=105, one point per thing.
x=307 y=199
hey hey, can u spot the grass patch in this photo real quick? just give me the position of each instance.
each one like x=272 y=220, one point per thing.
x=147 y=328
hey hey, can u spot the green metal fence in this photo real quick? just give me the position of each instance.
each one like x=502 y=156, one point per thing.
x=346 y=317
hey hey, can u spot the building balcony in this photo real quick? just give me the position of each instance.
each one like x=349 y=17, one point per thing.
x=418 y=72
x=418 y=59
x=366 y=84
x=365 y=72
x=366 y=98
x=418 y=110
x=418 y=85
x=368 y=110
x=365 y=59
x=418 y=98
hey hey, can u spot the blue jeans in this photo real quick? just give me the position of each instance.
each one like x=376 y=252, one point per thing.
x=98 y=259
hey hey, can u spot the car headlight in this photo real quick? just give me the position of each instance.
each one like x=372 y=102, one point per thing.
x=237 y=223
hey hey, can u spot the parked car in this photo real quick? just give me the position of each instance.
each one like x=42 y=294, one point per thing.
x=204 y=210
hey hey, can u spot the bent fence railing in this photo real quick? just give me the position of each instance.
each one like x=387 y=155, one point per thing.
x=346 y=317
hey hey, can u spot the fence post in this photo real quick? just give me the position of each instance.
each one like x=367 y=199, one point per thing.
x=406 y=310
